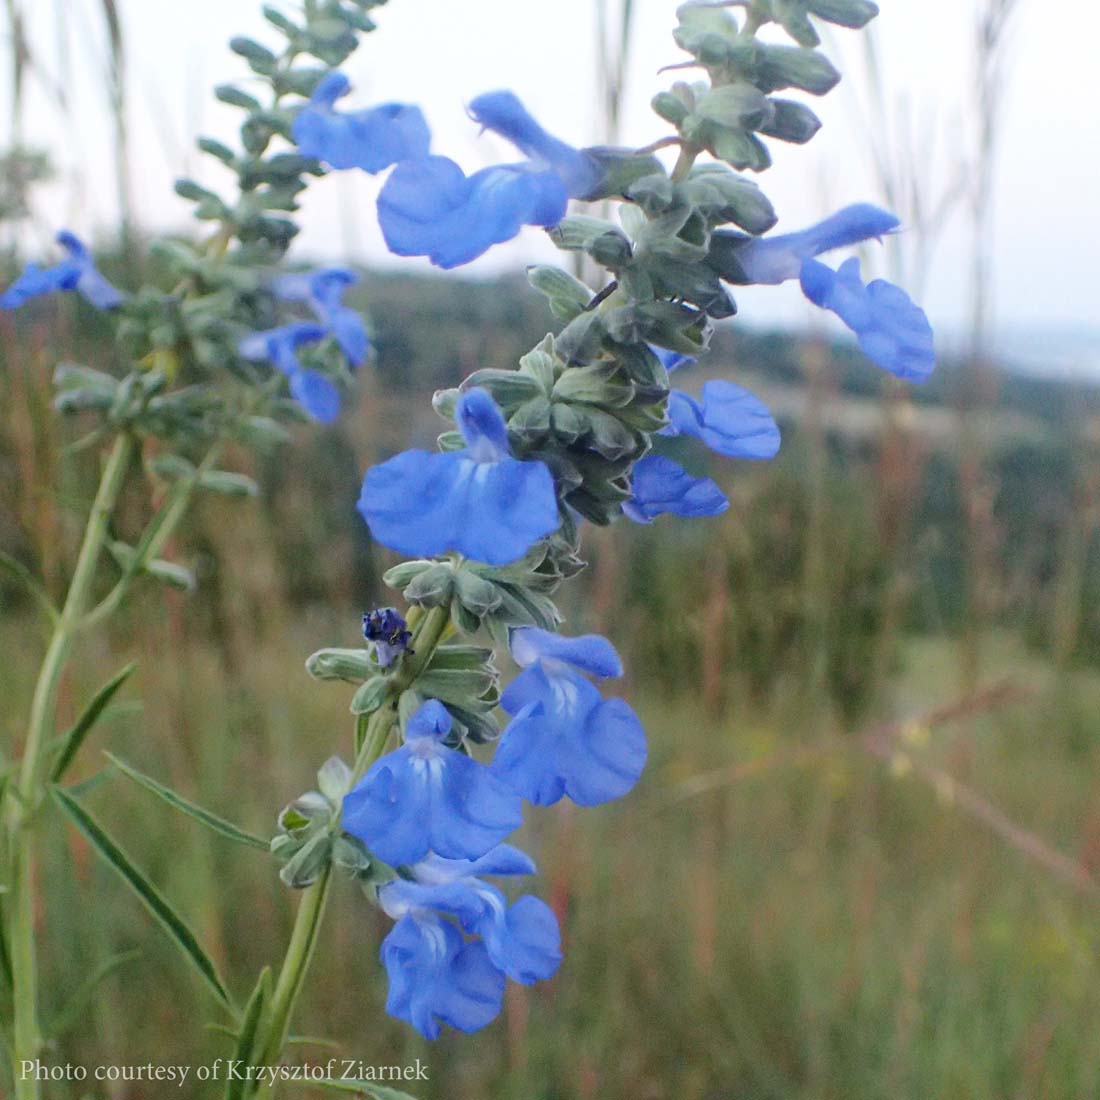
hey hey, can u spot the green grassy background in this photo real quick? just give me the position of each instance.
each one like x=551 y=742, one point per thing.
x=776 y=912
x=811 y=924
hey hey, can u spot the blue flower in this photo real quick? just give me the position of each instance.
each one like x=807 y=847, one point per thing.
x=775 y=259
x=430 y=207
x=78 y=273
x=565 y=739
x=522 y=939
x=729 y=420
x=661 y=486
x=425 y=797
x=479 y=501
x=893 y=331
x=323 y=290
x=504 y=114
x=389 y=632
x=310 y=388
x=371 y=139
x=436 y=977
x=672 y=360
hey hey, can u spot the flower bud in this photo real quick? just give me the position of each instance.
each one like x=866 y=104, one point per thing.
x=567 y=296
x=791 y=121
x=794 y=67
x=617 y=169
x=845 y=13
x=352 y=665
x=433 y=587
x=670 y=107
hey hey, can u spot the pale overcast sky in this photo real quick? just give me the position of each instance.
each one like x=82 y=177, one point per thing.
x=440 y=53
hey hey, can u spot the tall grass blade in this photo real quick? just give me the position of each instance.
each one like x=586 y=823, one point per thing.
x=365 y=1088
x=112 y=18
x=20 y=56
x=72 y=1013
x=246 y=1040
x=217 y=824
x=160 y=909
x=72 y=741
x=18 y=571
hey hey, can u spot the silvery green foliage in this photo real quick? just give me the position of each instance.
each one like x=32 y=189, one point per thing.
x=189 y=384
x=309 y=837
x=588 y=400
x=463 y=678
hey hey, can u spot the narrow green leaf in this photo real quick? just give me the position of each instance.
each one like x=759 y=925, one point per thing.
x=365 y=1088
x=218 y=824
x=228 y=1032
x=74 y=1010
x=246 y=1040
x=71 y=741
x=311 y=1041
x=172 y=574
x=231 y=484
x=5 y=957
x=92 y=783
x=172 y=923
x=16 y=569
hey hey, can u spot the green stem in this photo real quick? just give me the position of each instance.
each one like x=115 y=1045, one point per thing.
x=299 y=954
x=160 y=530
x=429 y=631
x=28 y=791
x=684 y=162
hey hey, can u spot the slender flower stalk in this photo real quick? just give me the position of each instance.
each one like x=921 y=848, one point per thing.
x=19 y=819
x=373 y=737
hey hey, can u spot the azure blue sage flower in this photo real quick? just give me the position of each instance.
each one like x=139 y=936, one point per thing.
x=565 y=739
x=673 y=360
x=78 y=272
x=775 y=259
x=436 y=977
x=389 y=632
x=479 y=501
x=504 y=114
x=372 y=139
x=430 y=207
x=316 y=394
x=729 y=420
x=659 y=485
x=892 y=330
x=322 y=291
x=522 y=938
x=425 y=797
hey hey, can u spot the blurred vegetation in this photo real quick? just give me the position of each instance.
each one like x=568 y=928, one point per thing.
x=776 y=914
